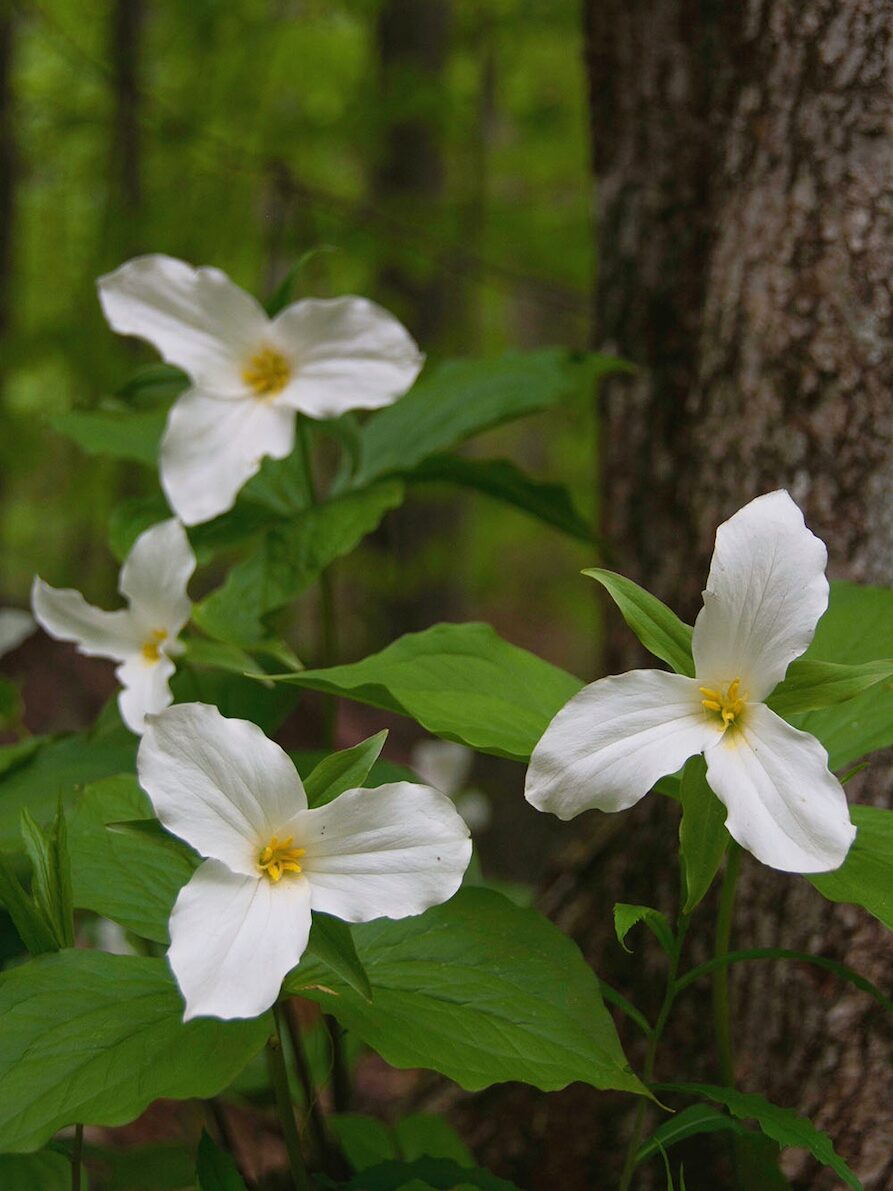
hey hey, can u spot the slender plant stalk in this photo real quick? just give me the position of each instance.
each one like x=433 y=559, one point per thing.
x=663 y=1016
x=302 y=1067
x=77 y=1151
x=721 y=1020
x=279 y=1077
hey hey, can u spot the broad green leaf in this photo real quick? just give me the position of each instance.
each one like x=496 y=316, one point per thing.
x=141 y=1168
x=365 y=1141
x=33 y=929
x=810 y=684
x=703 y=838
x=504 y=481
x=119 y=433
x=481 y=991
x=783 y=1125
x=215 y=1170
x=441 y=1174
x=155 y=381
x=219 y=655
x=86 y=1036
x=54 y=771
x=346 y=770
x=697 y=1118
x=626 y=916
x=459 y=681
x=658 y=628
x=460 y=398
x=130 y=876
x=289 y=559
x=13 y=756
x=866 y=876
x=50 y=875
x=46 y=1171
x=756 y=1162
x=264 y=703
x=422 y=1134
x=331 y=942
x=130 y=518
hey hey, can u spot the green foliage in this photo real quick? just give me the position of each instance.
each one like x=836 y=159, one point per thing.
x=367 y=1141
x=703 y=838
x=215 y=1169
x=459 y=681
x=810 y=684
x=141 y=1168
x=481 y=991
x=331 y=942
x=86 y=1036
x=866 y=876
x=129 y=434
x=439 y=1174
x=696 y=1119
x=627 y=916
x=658 y=628
x=50 y=875
x=44 y=1171
x=345 y=770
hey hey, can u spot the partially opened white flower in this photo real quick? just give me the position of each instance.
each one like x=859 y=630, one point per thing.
x=608 y=746
x=15 y=627
x=143 y=636
x=243 y=920
x=250 y=374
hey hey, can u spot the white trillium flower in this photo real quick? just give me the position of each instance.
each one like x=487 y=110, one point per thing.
x=243 y=920
x=606 y=748
x=15 y=627
x=250 y=374
x=142 y=637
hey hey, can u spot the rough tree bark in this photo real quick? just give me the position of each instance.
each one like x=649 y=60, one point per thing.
x=744 y=170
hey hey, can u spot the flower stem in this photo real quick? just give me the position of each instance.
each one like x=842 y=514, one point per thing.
x=721 y=1022
x=279 y=1078
x=302 y=1068
x=77 y=1151
x=663 y=1016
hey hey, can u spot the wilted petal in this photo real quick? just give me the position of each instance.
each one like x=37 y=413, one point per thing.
x=146 y=689
x=348 y=353
x=784 y=805
x=196 y=318
x=607 y=747
x=212 y=447
x=155 y=575
x=765 y=593
x=66 y=615
x=219 y=784
x=15 y=627
x=233 y=939
x=383 y=853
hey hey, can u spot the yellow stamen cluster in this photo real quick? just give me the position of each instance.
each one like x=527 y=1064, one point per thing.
x=279 y=857
x=151 y=647
x=728 y=703
x=267 y=372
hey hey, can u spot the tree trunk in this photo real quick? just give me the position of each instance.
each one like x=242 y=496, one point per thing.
x=744 y=175
x=127 y=18
x=7 y=161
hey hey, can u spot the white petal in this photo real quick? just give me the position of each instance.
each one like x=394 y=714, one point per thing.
x=784 y=805
x=233 y=939
x=383 y=853
x=348 y=354
x=765 y=593
x=197 y=319
x=146 y=689
x=155 y=575
x=219 y=784
x=15 y=627
x=67 y=616
x=211 y=447
x=607 y=747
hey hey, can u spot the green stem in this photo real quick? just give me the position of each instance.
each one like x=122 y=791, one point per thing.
x=77 y=1151
x=302 y=1067
x=285 y=1108
x=663 y=1016
x=721 y=1019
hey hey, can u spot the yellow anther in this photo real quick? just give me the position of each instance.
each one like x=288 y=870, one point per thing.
x=279 y=857
x=728 y=703
x=151 y=650
x=267 y=372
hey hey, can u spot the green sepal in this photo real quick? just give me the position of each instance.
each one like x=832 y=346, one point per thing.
x=626 y=916
x=703 y=837
x=344 y=770
x=658 y=628
x=810 y=685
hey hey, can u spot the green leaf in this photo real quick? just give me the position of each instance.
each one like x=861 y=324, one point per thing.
x=130 y=518
x=438 y=1173
x=658 y=628
x=810 y=684
x=626 y=916
x=86 y=1036
x=219 y=655
x=33 y=928
x=236 y=697
x=290 y=558
x=481 y=991
x=458 y=399
x=866 y=876
x=504 y=481
x=155 y=381
x=346 y=770
x=331 y=942
x=422 y=1134
x=120 y=434
x=129 y=876
x=703 y=838
x=783 y=1125
x=459 y=681
x=697 y=1118
x=46 y=1171
x=365 y=1141
x=141 y=1168
x=50 y=875
x=215 y=1170
x=756 y=1162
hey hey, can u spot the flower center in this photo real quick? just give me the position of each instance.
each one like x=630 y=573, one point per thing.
x=279 y=857
x=728 y=703
x=267 y=372
x=151 y=650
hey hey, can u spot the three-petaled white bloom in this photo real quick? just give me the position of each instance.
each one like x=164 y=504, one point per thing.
x=607 y=747
x=243 y=920
x=250 y=374
x=142 y=637
x=15 y=627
